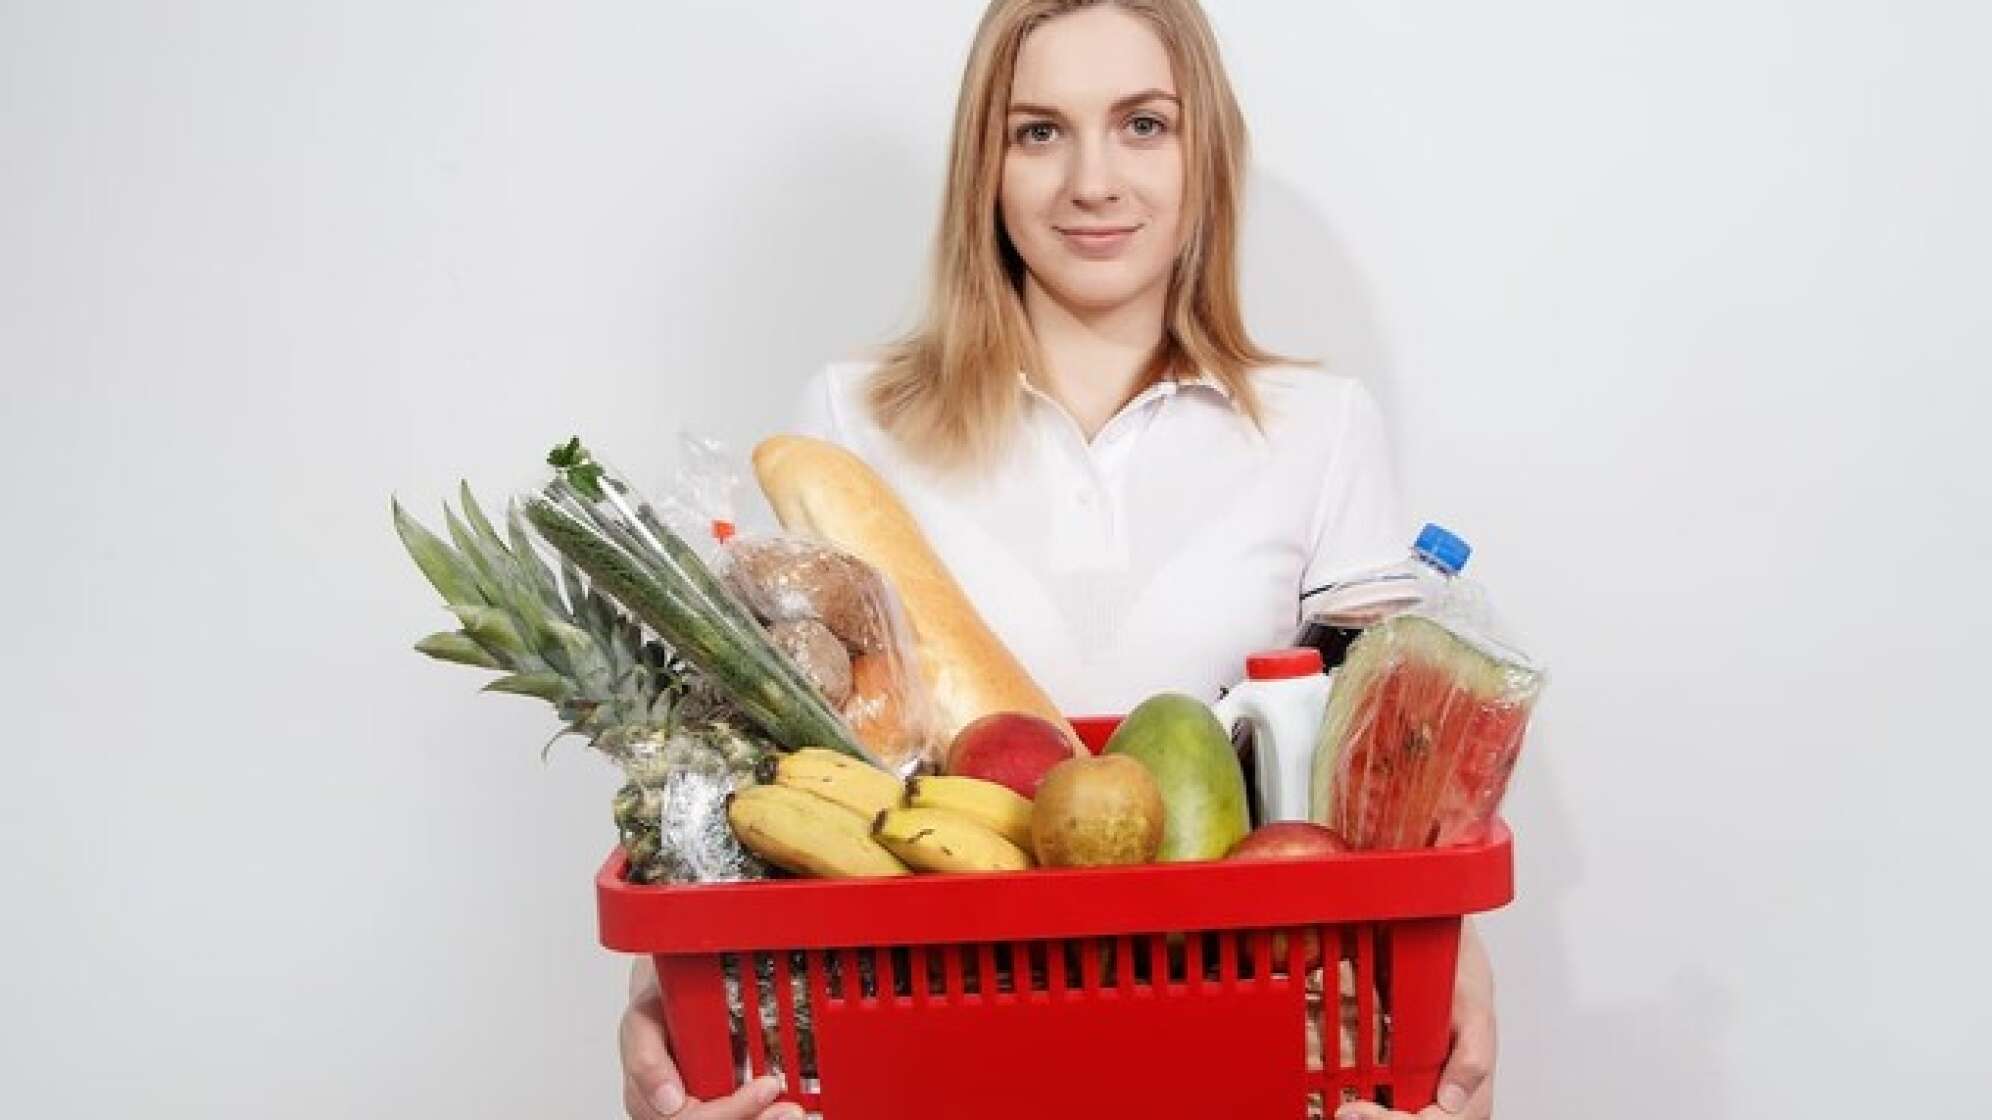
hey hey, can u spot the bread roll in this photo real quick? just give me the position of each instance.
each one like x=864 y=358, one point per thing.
x=877 y=714
x=820 y=490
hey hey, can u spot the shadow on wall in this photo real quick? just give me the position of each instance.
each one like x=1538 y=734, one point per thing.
x=1562 y=1057
x=822 y=260
x=1566 y=1058
x=1304 y=295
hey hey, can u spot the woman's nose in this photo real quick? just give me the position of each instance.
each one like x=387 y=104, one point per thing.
x=1095 y=176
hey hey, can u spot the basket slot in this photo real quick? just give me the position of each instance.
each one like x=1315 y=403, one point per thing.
x=788 y=1036
x=1263 y=953
x=861 y=975
x=1227 y=961
x=819 y=966
x=1095 y=968
x=1151 y=961
x=754 y=1024
x=1366 y=1008
x=736 y=1017
x=1385 y=1004
x=937 y=975
x=1029 y=963
x=1166 y=960
x=900 y=979
x=1322 y=1054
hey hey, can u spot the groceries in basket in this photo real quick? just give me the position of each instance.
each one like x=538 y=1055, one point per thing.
x=1333 y=615
x=828 y=703
x=1424 y=726
x=825 y=493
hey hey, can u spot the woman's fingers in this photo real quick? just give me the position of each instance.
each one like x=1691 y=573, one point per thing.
x=649 y=1075
x=1465 y=1086
x=753 y=1101
x=1468 y=1072
x=1363 y=1110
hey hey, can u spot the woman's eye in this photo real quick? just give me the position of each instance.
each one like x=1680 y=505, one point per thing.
x=1037 y=132
x=1147 y=128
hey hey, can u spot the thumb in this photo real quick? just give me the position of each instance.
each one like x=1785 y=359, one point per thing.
x=646 y=1057
x=1471 y=1062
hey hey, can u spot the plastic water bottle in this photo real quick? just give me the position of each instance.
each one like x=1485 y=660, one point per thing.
x=1332 y=616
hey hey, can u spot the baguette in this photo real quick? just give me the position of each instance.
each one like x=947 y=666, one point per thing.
x=820 y=490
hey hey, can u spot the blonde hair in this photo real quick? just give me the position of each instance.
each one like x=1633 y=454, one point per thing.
x=947 y=392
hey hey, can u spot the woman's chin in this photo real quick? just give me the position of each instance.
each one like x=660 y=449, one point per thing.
x=1095 y=293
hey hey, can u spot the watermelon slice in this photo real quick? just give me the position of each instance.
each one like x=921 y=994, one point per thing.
x=1422 y=732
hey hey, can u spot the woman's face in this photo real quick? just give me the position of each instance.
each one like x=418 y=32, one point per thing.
x=1093 y=175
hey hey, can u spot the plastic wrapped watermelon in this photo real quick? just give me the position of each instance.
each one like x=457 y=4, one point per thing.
x=1423 y=730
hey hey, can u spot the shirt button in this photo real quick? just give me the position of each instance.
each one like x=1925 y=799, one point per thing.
x=1085 y=497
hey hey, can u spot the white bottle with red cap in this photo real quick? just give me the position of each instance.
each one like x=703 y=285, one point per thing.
x=1282 y=698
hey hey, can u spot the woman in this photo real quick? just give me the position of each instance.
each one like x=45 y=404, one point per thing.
x=1131 y=490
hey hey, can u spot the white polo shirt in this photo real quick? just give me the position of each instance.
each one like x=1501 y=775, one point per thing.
x=1157 y=556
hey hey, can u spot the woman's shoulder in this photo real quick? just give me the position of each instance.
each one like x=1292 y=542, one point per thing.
x=833 y=404
x=1311 y=397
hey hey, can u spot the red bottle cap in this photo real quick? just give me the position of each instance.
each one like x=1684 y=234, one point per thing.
x=1283 y=664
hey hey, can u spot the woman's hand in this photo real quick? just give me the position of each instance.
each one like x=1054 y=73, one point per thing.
x=652 y=1089
x=1466 y=1087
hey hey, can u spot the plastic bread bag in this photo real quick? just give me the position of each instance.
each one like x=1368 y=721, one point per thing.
x=701 y=502
x=1424 y=726
x=841 y=622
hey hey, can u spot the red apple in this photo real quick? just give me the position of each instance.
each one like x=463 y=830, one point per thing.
x=1011 y=749
x=1291 y=840
x=1288 y=840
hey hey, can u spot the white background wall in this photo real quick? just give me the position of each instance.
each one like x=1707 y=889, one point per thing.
x=1679 y=311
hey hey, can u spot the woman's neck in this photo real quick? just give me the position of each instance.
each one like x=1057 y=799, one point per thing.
x=1094 y=362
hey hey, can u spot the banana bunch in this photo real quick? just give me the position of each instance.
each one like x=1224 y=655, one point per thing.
x=828 y=815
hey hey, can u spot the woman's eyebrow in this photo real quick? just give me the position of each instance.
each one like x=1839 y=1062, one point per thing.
x=1125 y=103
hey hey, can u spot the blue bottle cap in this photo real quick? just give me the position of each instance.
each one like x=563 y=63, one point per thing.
x=1442 y=550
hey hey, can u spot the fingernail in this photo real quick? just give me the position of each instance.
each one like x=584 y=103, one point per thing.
x=670 y=1099
x=767 y=1089
x=1452 y=1098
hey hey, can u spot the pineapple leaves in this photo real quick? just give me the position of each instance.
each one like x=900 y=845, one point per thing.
x=545 y=686
x=528 y=560
x=459 y=648
x=457 y=583
x=492 y=629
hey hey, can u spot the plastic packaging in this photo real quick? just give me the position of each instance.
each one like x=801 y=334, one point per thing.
x=1277 y=710
x=672 y=812
x=841 y=622
x=1424 y=726
x=1335 y=614
x=603 y=527
x=701 y=503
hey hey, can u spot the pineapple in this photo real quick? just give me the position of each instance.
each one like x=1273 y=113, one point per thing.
x=554 y=637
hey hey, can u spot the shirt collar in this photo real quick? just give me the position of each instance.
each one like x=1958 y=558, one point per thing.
x=1200 y=381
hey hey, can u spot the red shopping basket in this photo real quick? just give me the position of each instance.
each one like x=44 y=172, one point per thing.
x=1228 y=990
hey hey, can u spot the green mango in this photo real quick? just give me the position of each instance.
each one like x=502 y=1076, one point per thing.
x=1183 y=746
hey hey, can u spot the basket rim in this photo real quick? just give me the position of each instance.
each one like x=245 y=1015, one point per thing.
x=1052 y=903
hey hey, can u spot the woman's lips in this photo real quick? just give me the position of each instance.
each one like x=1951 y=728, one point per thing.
x=1097 y=242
